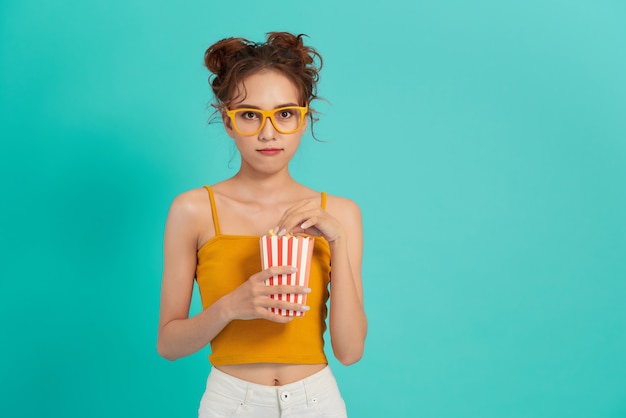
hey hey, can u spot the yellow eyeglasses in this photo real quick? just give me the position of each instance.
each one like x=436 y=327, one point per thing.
x=286 y=120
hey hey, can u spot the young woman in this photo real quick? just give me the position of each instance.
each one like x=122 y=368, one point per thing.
x=264 y=364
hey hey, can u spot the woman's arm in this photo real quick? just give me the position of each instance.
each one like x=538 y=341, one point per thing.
x=348 y=323
x=340 y=224
x=179 y=335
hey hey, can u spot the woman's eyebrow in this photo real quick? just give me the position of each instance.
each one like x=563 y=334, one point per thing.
x=248 y=106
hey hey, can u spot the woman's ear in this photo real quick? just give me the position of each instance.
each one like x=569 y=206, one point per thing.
x=228 y=124
x=305 y=124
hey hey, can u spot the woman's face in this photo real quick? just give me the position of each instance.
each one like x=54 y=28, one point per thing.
x=268 y=150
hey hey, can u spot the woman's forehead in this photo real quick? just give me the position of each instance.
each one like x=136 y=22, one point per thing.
x=266 y=88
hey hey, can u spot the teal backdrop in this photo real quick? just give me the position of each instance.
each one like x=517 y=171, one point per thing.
x=485 y=142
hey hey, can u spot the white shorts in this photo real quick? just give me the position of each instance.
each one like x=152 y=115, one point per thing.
x=314 y=396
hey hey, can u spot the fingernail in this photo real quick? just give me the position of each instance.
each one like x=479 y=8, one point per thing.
x=307 y=290
x=282 y=232
x=305 y=308
x=293 y=269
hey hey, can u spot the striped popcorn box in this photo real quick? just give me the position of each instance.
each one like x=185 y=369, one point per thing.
x=288 y=250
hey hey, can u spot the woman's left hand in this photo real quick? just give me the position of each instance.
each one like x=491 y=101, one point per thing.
x=309 y=218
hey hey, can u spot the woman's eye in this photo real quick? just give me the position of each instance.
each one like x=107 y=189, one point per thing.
x=284 y=114
x=249 y=115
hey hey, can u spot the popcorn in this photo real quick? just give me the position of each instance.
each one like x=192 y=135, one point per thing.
x=288 y=250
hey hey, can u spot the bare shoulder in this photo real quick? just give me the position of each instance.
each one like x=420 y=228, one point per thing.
x=191 y=204
x=190 y=216
x=343 y=207
x=348 y=213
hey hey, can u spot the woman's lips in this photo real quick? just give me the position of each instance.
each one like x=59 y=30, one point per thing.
x=269 y=151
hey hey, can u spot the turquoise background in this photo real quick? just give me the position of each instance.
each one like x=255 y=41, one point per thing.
x=485 y=142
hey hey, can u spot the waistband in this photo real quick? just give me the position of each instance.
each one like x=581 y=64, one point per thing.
x=296 y=393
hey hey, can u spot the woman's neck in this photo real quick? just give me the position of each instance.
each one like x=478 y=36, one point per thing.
x=261 y=188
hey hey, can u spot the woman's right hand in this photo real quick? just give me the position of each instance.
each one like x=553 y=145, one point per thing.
x=252 y=299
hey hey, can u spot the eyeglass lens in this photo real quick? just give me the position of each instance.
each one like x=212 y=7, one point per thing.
x=285 y=120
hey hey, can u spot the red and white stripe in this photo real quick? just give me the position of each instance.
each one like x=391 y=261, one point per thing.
x=295 y=251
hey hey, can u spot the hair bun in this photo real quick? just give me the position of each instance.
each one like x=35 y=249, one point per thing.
x=218 y=57
x=292 y=44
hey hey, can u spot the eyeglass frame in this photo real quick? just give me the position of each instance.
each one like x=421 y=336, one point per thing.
x=231 y=113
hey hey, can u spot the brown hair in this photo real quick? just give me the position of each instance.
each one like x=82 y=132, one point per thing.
x=231 y=60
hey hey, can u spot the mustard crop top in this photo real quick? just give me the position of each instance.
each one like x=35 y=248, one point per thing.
x=227 y=261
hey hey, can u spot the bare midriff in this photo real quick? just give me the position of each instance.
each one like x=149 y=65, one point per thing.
x=271 y=374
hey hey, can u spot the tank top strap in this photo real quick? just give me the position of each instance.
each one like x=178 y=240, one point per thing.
x=324 y=200
x=216 y=222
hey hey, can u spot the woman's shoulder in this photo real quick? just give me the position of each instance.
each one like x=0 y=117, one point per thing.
x=190 y=215
x=192 y=200
x=191 y=205
x=342 y=205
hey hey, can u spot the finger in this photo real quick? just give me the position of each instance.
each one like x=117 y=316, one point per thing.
x=298 y=210
x=310 y=222
x=281 y=289
x=295 y=220
x=277 y=306
x=280 y=318
x=274 y=317
x=288 y=306
x=274 y=271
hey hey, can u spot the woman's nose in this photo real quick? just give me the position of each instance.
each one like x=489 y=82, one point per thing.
x=268 y=131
